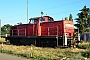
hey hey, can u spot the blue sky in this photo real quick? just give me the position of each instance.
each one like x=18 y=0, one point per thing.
x=14 y=11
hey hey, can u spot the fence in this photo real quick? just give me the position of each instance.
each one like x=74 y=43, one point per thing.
x=3 y=36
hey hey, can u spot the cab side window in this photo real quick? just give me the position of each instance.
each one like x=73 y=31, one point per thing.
x=49 y=20
x=35 y=21
x=42 y=19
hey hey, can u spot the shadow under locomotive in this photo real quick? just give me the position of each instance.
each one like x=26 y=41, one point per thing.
x=40 y=41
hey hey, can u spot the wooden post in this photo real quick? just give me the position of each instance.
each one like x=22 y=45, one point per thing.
x=2 y=46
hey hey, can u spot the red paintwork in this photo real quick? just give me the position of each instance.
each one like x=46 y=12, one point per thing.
x=13 y=30
x=39 y=28
x=57 y=28
x=24 y=30
x=31 y=30
x=45 y=28
x=68 y=27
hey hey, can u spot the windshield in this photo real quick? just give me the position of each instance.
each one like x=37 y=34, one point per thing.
x=33 y=22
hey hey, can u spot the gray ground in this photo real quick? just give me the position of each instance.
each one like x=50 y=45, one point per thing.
x=4 y=56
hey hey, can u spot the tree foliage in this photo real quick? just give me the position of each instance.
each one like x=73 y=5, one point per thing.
x=20 y=23
x=5 y=29
x=66 y=18
x=83 y=20
x=70 y=17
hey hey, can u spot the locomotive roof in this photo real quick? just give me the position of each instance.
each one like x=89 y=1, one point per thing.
x=34 y=18
x=40 y=17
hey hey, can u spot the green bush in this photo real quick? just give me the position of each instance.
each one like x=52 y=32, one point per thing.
x=43 y=58
x=70 y=54
x=86 y=54
x=5 y=51
x=84 y=46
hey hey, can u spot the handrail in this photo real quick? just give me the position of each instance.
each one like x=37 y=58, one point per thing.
x=17 y=32
x=50 y=31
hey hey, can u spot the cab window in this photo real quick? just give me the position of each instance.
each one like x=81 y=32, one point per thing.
x=35 y=21
x=49 y=20
x=31 y=22
x=42 y=19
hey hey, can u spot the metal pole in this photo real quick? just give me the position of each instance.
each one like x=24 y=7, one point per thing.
x=27 y=11
x=48 y=31
x=0 y=28
x=25 y=32
x=78 y=36
x=57 y=41
x=78 y=30
x=18 y=32
x=12 y=32
x=89 y=29
x=57 y=36
x=63 y=39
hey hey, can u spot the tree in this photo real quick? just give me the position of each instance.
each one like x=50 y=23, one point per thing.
x=88 y=23
x=19 y=23
x=42 y=13
x=5 y=29
x=66 y=18
x=83 y=20
x=70 y=17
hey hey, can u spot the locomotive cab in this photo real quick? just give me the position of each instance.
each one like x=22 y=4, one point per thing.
x=42 y=19
x=39 y=20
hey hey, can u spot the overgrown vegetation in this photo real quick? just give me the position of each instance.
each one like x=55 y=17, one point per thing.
x=46 y=53
x=84 y=45
x=87 y=47
x=42 y=53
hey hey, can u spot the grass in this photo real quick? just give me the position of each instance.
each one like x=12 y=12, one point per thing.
x=42 y=53
x=2 y=40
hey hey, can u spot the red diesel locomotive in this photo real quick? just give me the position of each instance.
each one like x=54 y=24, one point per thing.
x=43 y=31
